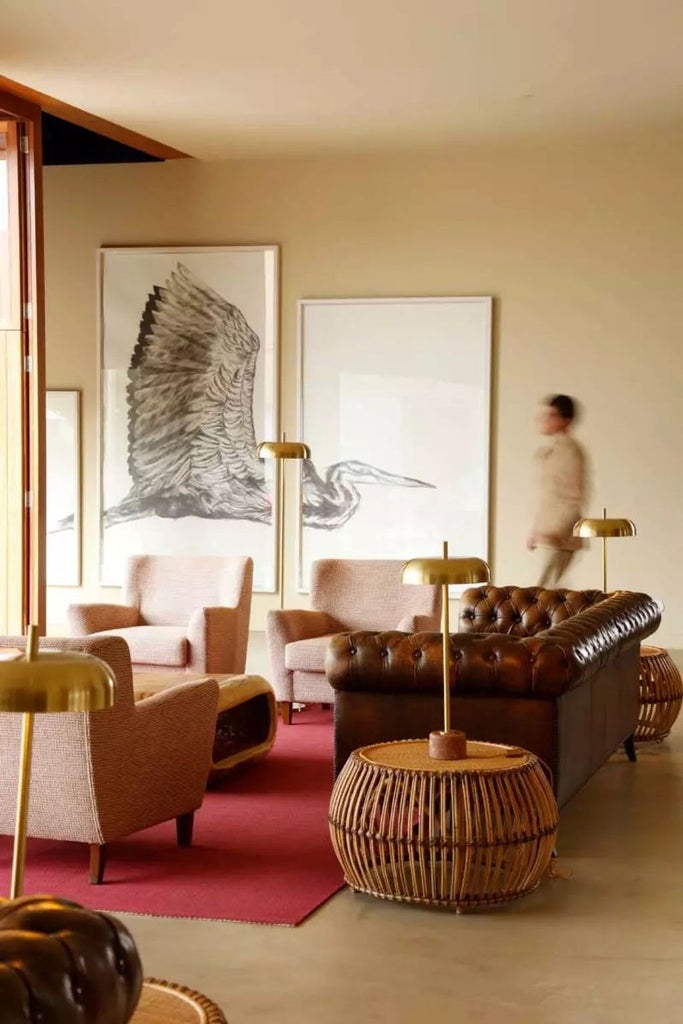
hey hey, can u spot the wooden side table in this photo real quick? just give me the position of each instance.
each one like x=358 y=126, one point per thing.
x=163 y=1002
x=661 y=694
x=447 y=833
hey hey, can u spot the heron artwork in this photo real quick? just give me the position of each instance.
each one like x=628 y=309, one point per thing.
x=191 y=439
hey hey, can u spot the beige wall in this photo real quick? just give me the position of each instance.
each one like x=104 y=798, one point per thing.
x=581 y=246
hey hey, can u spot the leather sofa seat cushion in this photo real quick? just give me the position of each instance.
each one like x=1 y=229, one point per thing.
x=307 y=655
x=154 y=645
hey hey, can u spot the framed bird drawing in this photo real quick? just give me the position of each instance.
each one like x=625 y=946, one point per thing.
x=189 y=363
x=394 y=399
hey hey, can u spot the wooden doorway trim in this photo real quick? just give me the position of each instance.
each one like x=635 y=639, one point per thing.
x=32 y=326
x=75 y=115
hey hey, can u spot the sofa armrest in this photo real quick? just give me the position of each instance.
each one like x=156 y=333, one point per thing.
x=93 y=618
x=590 y=640
x=215 y=641
x=284 y=627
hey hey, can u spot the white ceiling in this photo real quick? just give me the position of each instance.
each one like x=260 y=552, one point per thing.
x=219 y=79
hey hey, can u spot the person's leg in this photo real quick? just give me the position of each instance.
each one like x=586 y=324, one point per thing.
x=555 y=564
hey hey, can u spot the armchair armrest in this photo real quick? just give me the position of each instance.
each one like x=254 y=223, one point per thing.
x=216 y=641
x=284 y=627
x=419 y=623
x=186 y=715
x=92 y=618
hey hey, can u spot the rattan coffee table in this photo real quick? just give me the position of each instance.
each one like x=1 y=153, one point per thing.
x=162 y=1002
x=456 y=834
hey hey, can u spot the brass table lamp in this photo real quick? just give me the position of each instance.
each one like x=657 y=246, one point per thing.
x=280 y=450
x=46 y=682
x=604 y=528
x=451 y=744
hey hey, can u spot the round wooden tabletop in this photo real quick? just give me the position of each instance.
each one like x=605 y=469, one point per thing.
x=163 y=1002
x=413 y=755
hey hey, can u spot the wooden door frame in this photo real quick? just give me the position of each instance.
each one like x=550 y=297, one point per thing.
x=33 y=330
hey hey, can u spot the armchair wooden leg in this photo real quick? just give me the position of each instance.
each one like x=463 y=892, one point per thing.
x=184 y=825
x=98 y=862
x=285 y=709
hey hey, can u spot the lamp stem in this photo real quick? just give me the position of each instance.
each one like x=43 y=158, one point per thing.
x=19 y=856
x=446 y=661
x=604 y=556
x=20 y=827
x=281 y=518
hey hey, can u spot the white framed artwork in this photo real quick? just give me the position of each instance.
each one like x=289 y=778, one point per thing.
x=189 y=386
x=394 y=402
x=63 y=488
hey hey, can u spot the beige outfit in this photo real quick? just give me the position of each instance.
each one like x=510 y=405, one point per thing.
x=561 y=487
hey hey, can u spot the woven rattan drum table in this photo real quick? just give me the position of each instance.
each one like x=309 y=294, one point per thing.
x=661 y=694
x=162 y=1002
x=448 y=833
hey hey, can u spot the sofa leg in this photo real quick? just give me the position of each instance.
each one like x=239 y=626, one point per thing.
x=184 y=825
x=98 y=862
x=630 y=748
x=285 y=709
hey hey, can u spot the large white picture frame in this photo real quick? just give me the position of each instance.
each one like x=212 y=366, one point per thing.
x=394 y=401
x=189 y=387
x=63 y=488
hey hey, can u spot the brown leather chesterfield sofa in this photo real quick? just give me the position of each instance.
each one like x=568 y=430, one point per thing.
x=554 y=671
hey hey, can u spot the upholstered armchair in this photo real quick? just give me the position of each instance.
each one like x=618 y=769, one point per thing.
x=179 y=613
x=346 y=594
x=103 y=775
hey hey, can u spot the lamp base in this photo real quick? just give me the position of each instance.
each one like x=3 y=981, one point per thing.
x=448 y=746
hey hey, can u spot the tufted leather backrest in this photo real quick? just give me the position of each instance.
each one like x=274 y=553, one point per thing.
x=494 y=664
x=521 y=611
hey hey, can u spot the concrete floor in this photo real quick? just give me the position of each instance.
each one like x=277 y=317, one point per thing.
x=603 y=945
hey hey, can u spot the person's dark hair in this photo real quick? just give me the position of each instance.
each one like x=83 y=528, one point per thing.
x=564 y=405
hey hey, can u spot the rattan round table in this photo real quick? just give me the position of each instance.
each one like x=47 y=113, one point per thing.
x=661 y=694
x=456 y=834
x=163 y=1002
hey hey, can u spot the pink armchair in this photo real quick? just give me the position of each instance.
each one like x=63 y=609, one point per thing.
x=179 y=613
x=346 y=594
x=100 y=776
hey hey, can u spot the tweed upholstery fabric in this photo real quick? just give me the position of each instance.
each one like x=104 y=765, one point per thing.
x=154 y=645
x=209 y=599
x=369 y=594
x=103 y=775
x=307 y=655
x=346 y=594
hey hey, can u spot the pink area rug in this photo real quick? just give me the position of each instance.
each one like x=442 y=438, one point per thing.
x=261 y=849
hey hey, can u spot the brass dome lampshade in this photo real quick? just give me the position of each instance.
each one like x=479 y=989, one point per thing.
x=46 y=682
x=282 y=450
x=604 y=528
x=451 y=744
